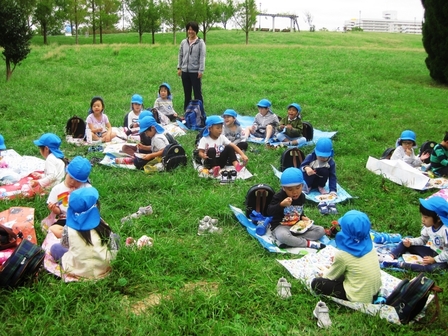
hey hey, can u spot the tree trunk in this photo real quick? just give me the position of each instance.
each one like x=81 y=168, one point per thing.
x=44 y=32
x=153 y=37
x=8 y=70
x=247 y=36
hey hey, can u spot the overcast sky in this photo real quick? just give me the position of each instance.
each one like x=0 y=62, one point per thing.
x=333 y=13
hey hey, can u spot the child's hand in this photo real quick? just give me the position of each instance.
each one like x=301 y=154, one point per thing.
x=286 y=202
x=309 y=171
x=428 y=260
x=33 y=183
x=406 y=242
x=424 y=156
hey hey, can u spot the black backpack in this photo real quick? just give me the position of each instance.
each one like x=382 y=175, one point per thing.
x=196 y=156
x=173 y=156
x=22 y=265
x=427 y=147
x=409 y=297
x=8 y=238
x=308 y=131
x=258 y=198
x=292 y=157
x=76 y=127
x=195 y=115
x=387 y=154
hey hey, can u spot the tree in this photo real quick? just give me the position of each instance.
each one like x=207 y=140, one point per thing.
x=246 y=16
x=15 y=34
x=76 y=12
x=171 y=11
x=145 y=16
x=208 y=14
x=45 y=16
x=153 y=15
x=227 y=10
x=435 y=38
x=107 y=15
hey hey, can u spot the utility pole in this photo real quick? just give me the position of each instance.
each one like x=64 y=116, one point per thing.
x=259 y=19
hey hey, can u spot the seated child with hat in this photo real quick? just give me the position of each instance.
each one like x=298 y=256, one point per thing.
x=355 y=273
x=84 y=249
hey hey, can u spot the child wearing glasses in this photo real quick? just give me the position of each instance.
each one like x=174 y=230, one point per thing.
x=405 y=150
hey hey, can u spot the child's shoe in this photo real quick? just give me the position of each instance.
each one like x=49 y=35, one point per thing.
x=283 y=288
x=203 y=227
x=144 y=241
x=385 y=257
x=323 y=208
x=216 y=170
x=332 y=209
x=393 y=263
x=321 y=313
x=315 y=245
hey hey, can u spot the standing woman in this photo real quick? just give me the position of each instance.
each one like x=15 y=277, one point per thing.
x=191 y=63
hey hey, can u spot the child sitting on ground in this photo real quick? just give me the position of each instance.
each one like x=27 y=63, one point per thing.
x=319 y=167
x=439 y=158
x=288 y=203
x=432 y=245
x=265 y=122
x=144 y=146
x=405 y=150
x=290 y=129
x=355 y=273
x=98 y=122
x=164 y=102
x=78 y=171
x=84 y=249
x=233 y=130
x=54 y=170
x=130 y=123
x=153 y=130
x=216 y=150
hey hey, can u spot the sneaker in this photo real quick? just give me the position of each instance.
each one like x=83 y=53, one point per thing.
x=332 y=209
x=147 y=210
x=203 y=227
x=283 y=288
x=316 y=245
x=214 y=229
x=322 y=315
x=385 y=257
x=323 y=208
x=216 y=170
x=393 y=263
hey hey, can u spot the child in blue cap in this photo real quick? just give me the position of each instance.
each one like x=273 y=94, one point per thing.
x=131 y=124
x=216 y=150
x=319 y=167
x=54 y=170
x=290 y=129
x=164 y=102
x=432 y=245
x=355 y=274
x=78 y=171
x=288 y=203
x=265 y=122
x=154 y=131
x=84 y=250
x=405 y=150
x=233 y=130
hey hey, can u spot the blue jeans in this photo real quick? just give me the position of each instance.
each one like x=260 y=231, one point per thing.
x=422 y=251
x=57 y=251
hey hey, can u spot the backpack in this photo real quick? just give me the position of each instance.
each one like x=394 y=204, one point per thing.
x=22 y=265
x=409 y=297
x=173 y=156
x=387 y=154
x=195 y=115
x=292 y=157
x=76 y=127
x=258 y=198
x=8 y=238
x=428 y=147
x=308 y=131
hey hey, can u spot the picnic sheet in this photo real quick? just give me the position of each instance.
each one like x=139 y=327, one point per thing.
x=20 y=219
x=315 y=196
x=16 y=176
x=310 y=266
x=268 y=241
x=243 y=174
x=403 y=174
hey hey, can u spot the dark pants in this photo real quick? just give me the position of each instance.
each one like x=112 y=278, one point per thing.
x=422 y=251
x=57 y=251
x=227 y=155
x=243 y=145
x=334 y=288
x=442 y=171
x=315 y=181
x=191 y=82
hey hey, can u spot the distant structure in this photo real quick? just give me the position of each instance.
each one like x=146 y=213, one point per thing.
x=293 y=19
x=388 y=24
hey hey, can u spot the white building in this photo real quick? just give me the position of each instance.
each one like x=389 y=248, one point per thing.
x=388 y=24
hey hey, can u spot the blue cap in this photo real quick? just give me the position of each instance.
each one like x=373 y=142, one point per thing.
x=2 y=142
x=229 y=112
x=354 y=237
x=324 y=147
x=79 y=169
x=291 y=177
x=82 y=212
x=437 y=204
x=147 y=122
x=264 y=103
x=137 y=99
x=212 y=120
x=296 y=106
x=52 y=141
x=168 y=87
x=407 y=136
x=145 y=113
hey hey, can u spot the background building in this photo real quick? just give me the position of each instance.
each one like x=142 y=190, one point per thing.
x=388 y=24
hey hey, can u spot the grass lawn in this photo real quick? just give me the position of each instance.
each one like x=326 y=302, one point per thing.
x=368 y=87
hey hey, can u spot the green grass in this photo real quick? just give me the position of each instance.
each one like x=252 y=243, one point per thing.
x=367 y=87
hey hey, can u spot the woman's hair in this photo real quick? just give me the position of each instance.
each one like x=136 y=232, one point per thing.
x=429 y=213
x=193 y=25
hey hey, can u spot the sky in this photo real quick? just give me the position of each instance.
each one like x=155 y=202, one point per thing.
x=332 y=14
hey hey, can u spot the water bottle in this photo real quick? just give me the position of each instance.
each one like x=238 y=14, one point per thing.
x=262 y=226
x=88 y=135
x=384 y=238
